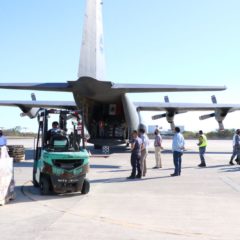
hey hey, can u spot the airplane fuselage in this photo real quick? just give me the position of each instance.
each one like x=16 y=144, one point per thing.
x=109 y=114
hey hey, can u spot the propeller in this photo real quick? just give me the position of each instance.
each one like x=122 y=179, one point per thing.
x=206 y=116
x=155 y=117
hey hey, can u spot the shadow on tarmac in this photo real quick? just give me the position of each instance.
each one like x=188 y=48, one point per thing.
x=124 y=179
x=168 y=151
x=30 y=193
x=230 y=169
x=23 y=164
x=103 y=166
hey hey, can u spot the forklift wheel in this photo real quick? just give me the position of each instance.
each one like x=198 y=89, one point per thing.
x=86 y=186
x=34 y=181
x=44 y=186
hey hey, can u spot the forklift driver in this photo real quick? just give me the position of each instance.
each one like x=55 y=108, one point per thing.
x=54 y=130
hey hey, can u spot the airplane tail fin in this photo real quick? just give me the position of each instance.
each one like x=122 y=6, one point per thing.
x=92 y=59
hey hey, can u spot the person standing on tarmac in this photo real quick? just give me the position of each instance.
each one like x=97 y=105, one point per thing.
x=236 y=147
x=202 y=144
x=178 y=146
x=144 y=151
x=136 y=145
x=3 y=139
x=158 y=147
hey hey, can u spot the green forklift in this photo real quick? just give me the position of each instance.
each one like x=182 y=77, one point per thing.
x=61 y=160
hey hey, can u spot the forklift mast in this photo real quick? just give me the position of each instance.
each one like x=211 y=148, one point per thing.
x=64 y=116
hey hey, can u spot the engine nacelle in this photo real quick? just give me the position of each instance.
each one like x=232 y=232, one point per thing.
x=169 y=115
x=170 y=119
x=30 y=112
x=220 y=116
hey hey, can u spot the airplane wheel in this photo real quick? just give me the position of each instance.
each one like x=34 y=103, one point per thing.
x=44 y=185
x=86 y=186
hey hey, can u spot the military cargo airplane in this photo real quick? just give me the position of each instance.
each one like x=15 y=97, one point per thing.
x=108 y=112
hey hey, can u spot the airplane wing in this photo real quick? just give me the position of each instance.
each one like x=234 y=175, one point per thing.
x=154 y=106
x=31 y=108
x=143 y=88
x=39 y=104
x=220 y=111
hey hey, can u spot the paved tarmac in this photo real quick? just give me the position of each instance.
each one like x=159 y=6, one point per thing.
x=203 y=203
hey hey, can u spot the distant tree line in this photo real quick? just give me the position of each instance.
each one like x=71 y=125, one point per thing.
x=226 y=134
x=18 y=131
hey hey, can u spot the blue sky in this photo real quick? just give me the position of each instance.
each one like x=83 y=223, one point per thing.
x=146 y=41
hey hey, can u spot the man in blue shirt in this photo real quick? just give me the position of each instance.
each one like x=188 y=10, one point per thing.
x=3 y=140
x=136 y=146
x=177 y=148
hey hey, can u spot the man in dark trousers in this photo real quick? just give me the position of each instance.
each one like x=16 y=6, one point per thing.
x=136 y=145
x=178 y=145
x=236 y=147
x=202 y=144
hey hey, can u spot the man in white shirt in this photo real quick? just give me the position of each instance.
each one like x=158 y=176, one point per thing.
x=158 y=147
x=3 y=139
x=144 y=151
x=178 y=145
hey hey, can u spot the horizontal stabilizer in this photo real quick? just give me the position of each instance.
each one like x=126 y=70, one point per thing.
x=60 y=87
x=138 y=88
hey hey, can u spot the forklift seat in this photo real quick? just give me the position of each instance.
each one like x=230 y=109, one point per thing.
x=59 y=142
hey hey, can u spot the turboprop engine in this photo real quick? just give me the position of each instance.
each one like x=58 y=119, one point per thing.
x=219 y=114
x=30 y=112
x=169 y=115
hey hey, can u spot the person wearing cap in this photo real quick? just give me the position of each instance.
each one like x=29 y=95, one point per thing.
x=178 y=146
x=202 y=144
x=3 y=139
x=158 y=147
